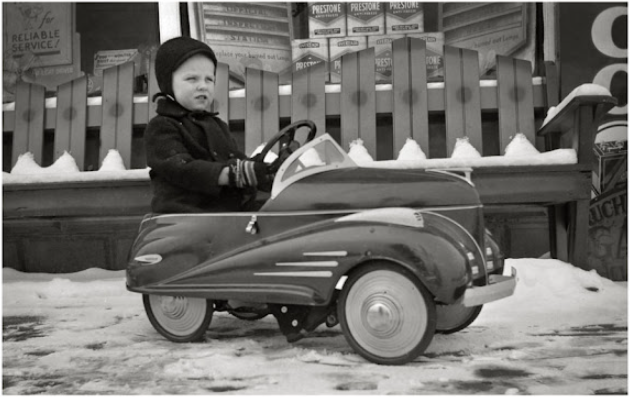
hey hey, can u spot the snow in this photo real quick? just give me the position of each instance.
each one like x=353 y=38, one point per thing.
x=518 y=152
x=411 y=151
x=464 y=150
x=582 y=90
x=358 y=153
x=564 y=331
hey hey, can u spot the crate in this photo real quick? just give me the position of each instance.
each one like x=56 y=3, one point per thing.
x=610 y=168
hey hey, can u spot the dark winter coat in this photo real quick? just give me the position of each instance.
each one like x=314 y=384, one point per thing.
x=186 y=152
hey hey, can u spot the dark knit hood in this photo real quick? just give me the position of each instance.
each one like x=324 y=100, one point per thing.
x=171 y=54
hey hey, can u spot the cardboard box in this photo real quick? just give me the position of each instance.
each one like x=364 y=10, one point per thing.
x=435 y=53
x=610 y=165
x=383 y=56
x=365 y=18
x=338 y=47
x=326 y=20
x=404 y=17
x=309 y=52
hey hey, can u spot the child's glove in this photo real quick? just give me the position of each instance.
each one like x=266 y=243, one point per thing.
x=247 y=173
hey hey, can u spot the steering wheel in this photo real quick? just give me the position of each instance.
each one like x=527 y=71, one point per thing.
x=288 y=147
x=285 y=151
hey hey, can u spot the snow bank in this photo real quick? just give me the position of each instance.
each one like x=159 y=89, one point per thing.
x=552 y=291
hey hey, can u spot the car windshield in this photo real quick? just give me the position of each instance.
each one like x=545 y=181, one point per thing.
x=319 y=155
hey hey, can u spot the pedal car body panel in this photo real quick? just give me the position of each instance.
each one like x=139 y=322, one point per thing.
x=324 y=218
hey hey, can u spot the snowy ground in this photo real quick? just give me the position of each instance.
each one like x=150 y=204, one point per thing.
x=563 y=332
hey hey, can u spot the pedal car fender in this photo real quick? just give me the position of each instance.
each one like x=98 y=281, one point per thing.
x=443 y=255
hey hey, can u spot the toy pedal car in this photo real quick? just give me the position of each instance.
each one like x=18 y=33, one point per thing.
x=393 y=255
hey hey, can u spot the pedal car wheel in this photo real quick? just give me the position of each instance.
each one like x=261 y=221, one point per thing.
x=386 y=314
x=453 y=318
x=178 y=318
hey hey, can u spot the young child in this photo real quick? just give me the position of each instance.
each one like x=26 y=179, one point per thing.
x=195 y=163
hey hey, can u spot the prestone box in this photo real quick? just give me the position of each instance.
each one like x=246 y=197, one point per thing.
x=309 y=52
x=365 y=18
x=326 y=20
x=383 y=56
x=339 y=47
x=404 y=17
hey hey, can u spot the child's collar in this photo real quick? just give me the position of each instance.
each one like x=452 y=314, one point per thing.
x=167 y=106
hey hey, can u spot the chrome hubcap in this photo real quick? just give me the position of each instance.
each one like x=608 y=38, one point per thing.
x=386 y=313
x=379 y=317
x=179 y=315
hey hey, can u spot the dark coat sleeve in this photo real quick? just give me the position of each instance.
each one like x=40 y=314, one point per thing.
x=169 y=157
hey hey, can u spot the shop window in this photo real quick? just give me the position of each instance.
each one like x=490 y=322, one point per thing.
x=288 y=37
x=53 y=43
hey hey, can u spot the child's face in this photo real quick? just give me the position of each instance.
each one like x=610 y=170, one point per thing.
x=193 y=83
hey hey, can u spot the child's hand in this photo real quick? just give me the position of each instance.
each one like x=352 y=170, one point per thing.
x=247 y=173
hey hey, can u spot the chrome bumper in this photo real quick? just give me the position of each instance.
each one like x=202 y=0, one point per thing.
x=498 y=287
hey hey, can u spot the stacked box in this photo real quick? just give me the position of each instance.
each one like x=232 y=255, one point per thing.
x=610 y=168
x=365 y=18
x=404 y=17
x=435 y=53
x=338 y=47
x=383 y=56
x=309 y=52
x=326 y=20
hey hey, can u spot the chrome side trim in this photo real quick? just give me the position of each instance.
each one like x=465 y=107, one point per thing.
x=305 y=213
x=326 y=253
x=317 y=274
x=310 y=264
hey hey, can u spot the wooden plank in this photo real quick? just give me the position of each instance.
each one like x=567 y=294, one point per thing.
x=409 y=98
x=221 y=102
x=471 y=98
x=515 y=100
x=71 y=120
x=308 y=96
x=29 y=122
x=505 y=98
x=358 y=104
x=525 y=99
x=454 y=109
x=578 y=233
x=262 y=117
x=552 y=84
x=116 y=130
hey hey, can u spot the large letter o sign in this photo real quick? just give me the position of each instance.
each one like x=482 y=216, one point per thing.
x=601 y=32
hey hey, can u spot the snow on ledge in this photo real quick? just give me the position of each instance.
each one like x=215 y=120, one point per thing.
x=555 y=157
x=84 y=176
x=582 y=90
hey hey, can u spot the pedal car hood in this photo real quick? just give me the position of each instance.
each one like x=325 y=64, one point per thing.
x=321 y=176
